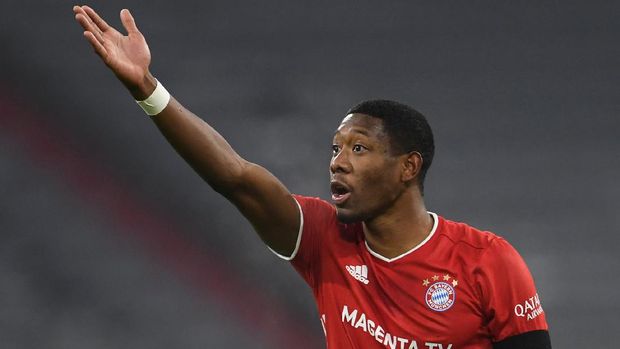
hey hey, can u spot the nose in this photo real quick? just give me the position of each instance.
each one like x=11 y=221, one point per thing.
x=340 y=163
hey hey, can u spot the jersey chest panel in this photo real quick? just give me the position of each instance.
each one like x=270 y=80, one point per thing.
x=410 y=303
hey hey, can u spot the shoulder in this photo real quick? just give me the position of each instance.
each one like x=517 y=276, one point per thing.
x=314 y=201
x=479 y=245
x=315 y=207
x=316 y=213
x=465 y=236
x=319 y=218
x=483 y=253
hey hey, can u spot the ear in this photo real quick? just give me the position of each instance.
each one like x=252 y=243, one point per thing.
x=411 y=166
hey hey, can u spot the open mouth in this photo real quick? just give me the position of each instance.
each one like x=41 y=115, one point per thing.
x=340 y=192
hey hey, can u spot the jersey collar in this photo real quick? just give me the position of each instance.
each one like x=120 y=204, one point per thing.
x=430 y=235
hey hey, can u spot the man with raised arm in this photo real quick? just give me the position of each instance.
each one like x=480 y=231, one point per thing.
x=385 y=272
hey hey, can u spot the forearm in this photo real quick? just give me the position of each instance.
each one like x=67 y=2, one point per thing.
x=204 y=149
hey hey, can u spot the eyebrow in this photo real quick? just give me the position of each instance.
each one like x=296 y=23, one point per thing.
x=360 y=131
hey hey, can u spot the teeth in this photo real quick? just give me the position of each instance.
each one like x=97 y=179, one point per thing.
x=339 y=197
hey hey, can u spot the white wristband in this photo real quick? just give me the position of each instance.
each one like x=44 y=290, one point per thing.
x=157 y=101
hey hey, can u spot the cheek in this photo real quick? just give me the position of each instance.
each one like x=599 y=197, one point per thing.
x=381 y=182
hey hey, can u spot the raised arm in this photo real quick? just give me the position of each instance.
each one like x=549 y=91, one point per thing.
x=260 y=196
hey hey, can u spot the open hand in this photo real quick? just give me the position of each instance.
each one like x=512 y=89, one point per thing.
x=128 y=56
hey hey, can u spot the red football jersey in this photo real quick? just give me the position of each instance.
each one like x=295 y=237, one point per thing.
x=459 y=288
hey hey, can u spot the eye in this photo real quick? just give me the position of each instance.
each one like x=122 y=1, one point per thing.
x=335 y=149
x=358 y=148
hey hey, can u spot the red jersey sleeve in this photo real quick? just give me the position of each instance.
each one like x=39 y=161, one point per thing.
x=509 y=297
x=316 y=218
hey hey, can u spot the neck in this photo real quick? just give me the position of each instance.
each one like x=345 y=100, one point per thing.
x=402 y=227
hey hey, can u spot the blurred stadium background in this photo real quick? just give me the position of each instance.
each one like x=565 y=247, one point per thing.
x=108 y=240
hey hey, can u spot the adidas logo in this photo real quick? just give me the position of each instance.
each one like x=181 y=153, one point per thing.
x=359 y=272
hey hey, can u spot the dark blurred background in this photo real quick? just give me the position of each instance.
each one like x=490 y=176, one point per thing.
x=109 y=240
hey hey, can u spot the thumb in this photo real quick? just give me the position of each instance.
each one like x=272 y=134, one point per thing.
x=128 y=22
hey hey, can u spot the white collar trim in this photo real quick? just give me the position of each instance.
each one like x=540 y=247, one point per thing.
x=430 y=235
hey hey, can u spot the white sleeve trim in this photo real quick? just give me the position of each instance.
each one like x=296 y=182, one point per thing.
x=301 y=229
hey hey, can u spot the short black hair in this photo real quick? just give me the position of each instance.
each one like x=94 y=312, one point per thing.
x=406 y=128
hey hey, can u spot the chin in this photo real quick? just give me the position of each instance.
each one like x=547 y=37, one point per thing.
x=347 y=216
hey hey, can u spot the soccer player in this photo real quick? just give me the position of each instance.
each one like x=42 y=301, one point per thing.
x=385 y=272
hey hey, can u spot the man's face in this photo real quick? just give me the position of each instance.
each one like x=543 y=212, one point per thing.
x=365 y=177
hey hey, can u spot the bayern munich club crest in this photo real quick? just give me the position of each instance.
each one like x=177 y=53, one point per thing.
x=441 y=294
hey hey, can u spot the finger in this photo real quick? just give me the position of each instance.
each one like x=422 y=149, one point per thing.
x=99 y=49
x=93 y=27
x=89 y=26
x=99 y=22
x=128 y=22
